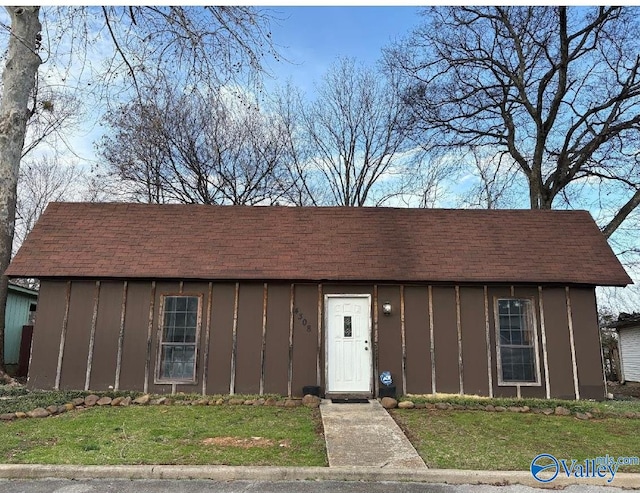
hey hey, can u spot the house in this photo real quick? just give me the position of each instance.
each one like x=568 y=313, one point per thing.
x=628 y=328
x=232 y=299
x=20 y=309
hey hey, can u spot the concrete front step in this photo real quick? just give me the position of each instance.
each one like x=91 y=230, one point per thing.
x=364 y=435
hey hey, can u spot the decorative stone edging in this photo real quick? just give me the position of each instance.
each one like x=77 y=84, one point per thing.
x=391 y=403
x=93 y=400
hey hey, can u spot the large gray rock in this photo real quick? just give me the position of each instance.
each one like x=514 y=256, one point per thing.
x=91 y=400
x=143 y=400
x=311 y=400
x=39 y=412
x=104 y=401
x=389 y=403
x=406 y=405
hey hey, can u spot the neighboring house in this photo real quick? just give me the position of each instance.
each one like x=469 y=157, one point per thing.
x=20 y=308
x=231 y=299
x=628 y=328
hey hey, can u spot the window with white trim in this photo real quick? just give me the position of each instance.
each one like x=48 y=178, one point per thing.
x=179 y=332
x=516 y=335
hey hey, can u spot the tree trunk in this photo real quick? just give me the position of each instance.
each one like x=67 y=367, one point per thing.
x=18 y=77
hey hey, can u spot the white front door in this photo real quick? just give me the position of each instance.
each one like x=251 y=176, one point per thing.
x=349 y=349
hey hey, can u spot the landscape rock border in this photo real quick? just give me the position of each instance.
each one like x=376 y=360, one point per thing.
x=390 y=403
x=311 y=401
x=93 y=400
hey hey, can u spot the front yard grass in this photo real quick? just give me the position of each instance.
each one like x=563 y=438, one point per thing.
x=185 y=435
x=509 y=441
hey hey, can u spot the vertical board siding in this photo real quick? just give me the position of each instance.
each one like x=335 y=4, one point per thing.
x=630 y=353
x=587 y=341
x=558 y=346
x=220 y=338
x=17 y=315
x=92 y=335
x=389 y=337
x=263 y=344
x=134 y=348
x=305 y=336
x=103 y=367
x=445 y=337
x=249 y=338
x=76 y=349
x=417 y=340
x=494 y=292
x=474 y=345
x=123 y=314
x=276 y=356
x=46 y=335
x=543 y=337
x=206 y=338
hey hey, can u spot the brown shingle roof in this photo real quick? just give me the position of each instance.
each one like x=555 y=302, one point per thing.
x=327 y=243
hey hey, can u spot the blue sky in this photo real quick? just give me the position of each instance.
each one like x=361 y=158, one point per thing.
x=311 y=38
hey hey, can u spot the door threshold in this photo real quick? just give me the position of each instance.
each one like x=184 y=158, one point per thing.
x=349 y=400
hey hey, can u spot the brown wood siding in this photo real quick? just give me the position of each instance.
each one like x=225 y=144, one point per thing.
x=249 y=338
x=558 y=345
x=493 y=293
x=416 y=303
x=74 y=362
x=474 y=345
x=305 y=349
x=105 y=352
x=276 y=365
x=389 y=337
x=46 y=334
x=221 y=339
x=134 y=346
x=445 y=336
x=587 y=341
x=305 y=337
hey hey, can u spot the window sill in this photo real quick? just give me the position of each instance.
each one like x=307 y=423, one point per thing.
x=519 y=384
x=175 y=382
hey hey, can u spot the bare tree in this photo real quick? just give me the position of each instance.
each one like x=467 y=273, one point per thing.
x=357 y=135
x=212 y=148
x=556 y=88
x=192 y=43
x=494 y=176
x=42 y=180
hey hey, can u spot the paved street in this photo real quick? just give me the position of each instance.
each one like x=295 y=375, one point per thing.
x=199 y=486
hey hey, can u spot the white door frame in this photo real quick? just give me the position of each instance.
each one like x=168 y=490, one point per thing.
x=326 y=337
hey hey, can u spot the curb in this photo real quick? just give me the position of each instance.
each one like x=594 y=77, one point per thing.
x=265 y=473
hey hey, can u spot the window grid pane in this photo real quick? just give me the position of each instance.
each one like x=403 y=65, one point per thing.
x=517 y=356
x=178 y=345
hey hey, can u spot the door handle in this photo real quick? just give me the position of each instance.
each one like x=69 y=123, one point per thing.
x=366 y=348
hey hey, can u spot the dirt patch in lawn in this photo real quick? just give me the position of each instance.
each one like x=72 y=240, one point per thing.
x=245 y=443
x=626 y=391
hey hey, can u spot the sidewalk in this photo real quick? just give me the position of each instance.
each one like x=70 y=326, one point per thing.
x=364 y=435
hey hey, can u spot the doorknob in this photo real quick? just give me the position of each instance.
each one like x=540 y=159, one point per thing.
x=366 y=348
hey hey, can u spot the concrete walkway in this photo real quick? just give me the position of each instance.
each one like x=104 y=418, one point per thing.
x=364 y=435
